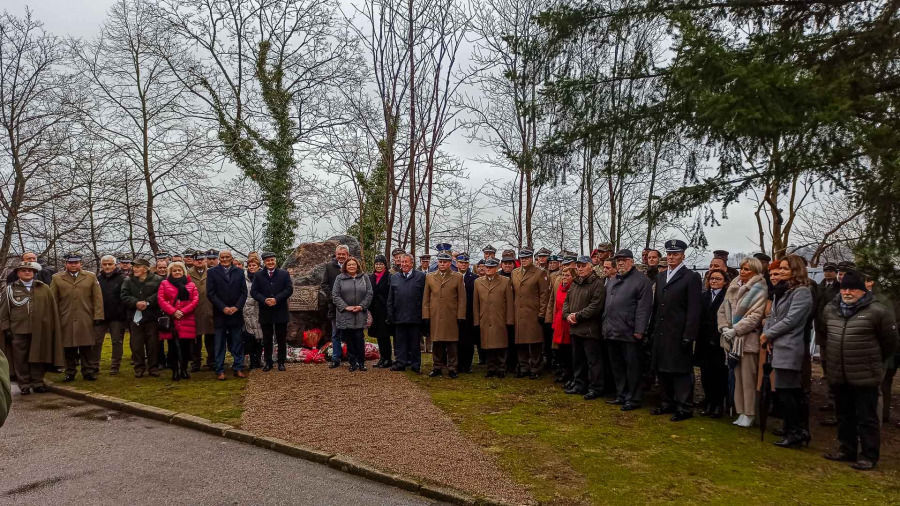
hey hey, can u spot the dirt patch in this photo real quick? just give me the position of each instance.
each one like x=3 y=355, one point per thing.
x=377 y=416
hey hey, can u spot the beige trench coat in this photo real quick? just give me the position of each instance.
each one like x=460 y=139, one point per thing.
x=493 y=310
x=203 y=315
x=531 y=289
x=80 y=302
x=443 y=304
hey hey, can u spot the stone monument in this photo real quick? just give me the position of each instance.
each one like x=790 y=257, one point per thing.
x=309 y=304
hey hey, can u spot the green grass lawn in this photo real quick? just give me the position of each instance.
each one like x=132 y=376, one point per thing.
x=202 y=395
x=568 y=450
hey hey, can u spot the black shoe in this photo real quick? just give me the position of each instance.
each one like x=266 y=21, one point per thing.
x=25 y=390
x=267 y=368
x=175 y=375
x=681 y=415
x=575 y=391
x=558 y=379
x=569 y=384
x=662 y=410
x=362 y=367
x=520 y=374
x=334 y=365
x=534 y=376
x=40 y=389
x=706 y=411
x=592 y=394
x=281 y=367
x=415 y=370
x=501 y=375
x=490 y=374
x=628 y=406
x=185 y=374
x=863 y=465
x=398 y=367
x=92 y=377
x=379 y=364
x=794 y=439
x=353 y=367
x=195 y=368
x=616 y=402
x=453 y=375
x=717 y=412
x=434 y=373
x=71 y=377
x=840 y=456
x=829 y=422
x=778 y=432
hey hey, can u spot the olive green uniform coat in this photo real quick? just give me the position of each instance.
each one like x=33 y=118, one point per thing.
x=531 y=289
x=443 y=304
x=493 y=310
x=79 y=301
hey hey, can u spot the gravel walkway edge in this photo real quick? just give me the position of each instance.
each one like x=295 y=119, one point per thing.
x=337 y=461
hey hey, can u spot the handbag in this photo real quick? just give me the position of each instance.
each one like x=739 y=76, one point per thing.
x=368 y=318
x=164 y=323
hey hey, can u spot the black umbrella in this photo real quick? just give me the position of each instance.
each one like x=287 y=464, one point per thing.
x=763 y=397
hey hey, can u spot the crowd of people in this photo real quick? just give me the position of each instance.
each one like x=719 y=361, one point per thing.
x=605 y=325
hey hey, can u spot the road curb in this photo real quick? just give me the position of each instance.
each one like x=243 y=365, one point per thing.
x=342 y=463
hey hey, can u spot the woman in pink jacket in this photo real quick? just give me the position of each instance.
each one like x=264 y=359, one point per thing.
x=178 y=298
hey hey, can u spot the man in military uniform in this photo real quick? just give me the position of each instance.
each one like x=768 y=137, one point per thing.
x=395 y=255
x=79 y=301
x=424 y=262
x=603 y=252
x=530 y=292
x=28 y=316
x=479 y=268
x=203 y=317
x=125 y=266
x=188 y=258
x=468 y=339
x=553 y=265
x=542 y=258
x=444 y=309
x=489 y=252
x=507 y=262
x=826 y=292
x=731 y=272
x=676 y=321
x=493 y=313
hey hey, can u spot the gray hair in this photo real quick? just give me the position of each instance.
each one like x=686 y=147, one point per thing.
x=343 y=247
x=409 y=256
x=754 y=264
x=108 y=257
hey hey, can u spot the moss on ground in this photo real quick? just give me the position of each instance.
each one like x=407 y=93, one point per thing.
x=202 y=395
x=567 y=450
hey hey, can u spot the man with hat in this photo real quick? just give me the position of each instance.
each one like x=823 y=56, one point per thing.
x=765 y=260
x=444 y=310
x=583 y=309
x=842 y=267
x=531 y=290
x=80 y=305
x=271 y=288
x=542 y=257
x=629 y=302
x=163 y=255
x=507 y=263
x=424 y=262
x=861 y=335
x=493 y=313
x=212 y=258
x=29 y=319
x=404 y=312
x=676 y=321
x=444 y=247
x=730 y=272
x=139 y=294
x=395 y=256
x=603 y=252
x=479 y=268
x=468 y=339
x=125 y=266
x=553 y=265
x=188 y=257
x=203 y=316
x=489 y=252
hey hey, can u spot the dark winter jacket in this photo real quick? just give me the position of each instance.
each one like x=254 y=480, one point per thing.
x=708 y=336
x=380 y=291
x=629 y=301
x=351 y=291
x=332 y=271
x=134 y=290
x=858 y=346
x=279 y=287
x=676 y=320
x=404 y=305
x=111 y=288
x=226 y=288
x=785 y=327
x=469 y=278
x=586 y=299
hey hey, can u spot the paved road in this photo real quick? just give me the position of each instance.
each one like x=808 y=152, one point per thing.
x=55 y=450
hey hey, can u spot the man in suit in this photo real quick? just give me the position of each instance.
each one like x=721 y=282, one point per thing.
x=226 y=288
x=332 y=271
x=272 y=287
x=676 y=320
x=404 y=311
x=468 y=339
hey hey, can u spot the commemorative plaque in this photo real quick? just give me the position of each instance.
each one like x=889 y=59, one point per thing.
x=304 y=298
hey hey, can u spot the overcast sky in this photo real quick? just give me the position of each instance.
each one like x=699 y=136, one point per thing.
x=82 y=18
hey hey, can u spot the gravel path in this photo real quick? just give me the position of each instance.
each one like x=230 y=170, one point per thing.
x=377 y=416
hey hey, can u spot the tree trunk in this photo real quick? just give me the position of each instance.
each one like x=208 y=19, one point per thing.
x=412 y=135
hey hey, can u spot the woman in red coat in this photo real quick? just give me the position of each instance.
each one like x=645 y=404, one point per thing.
x=178 y=298
x=561 y=337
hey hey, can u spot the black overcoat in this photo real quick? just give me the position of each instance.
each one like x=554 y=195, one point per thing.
x=279 y=287
x=676 y=318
